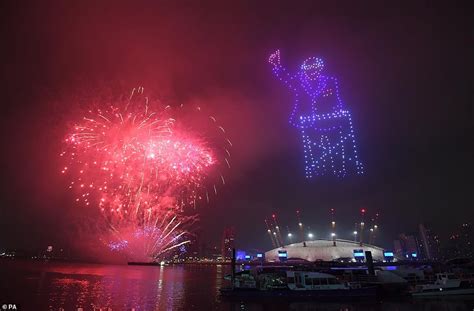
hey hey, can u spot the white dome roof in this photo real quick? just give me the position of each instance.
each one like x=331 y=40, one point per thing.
x=324 y=250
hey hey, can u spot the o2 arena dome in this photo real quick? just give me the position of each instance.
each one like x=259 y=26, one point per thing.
x=324 y=250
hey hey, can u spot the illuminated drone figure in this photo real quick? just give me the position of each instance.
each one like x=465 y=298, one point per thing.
x=326 y=126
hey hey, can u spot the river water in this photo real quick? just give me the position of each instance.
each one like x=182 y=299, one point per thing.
x=38 y=285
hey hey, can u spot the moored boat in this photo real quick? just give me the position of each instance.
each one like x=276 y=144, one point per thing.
x=446 y=284
x=296 y=284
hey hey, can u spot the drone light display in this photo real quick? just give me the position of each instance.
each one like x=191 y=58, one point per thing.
x=326 y=127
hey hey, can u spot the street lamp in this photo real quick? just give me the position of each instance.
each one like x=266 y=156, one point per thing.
x=290 y=235
x=310 y=235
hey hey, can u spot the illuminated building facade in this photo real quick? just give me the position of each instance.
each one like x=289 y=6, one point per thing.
x=406 y=246
x=322 y=249
x=461 y=243
x=429 y=243
x=228 y=243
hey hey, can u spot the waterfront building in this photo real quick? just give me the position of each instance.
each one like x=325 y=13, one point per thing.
x=323 y=250
x=429 y=243
x=460 y=243
x=228 y=243
x=406 y=245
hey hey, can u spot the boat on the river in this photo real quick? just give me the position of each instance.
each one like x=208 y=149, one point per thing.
x=297 y=284
x=446 y=284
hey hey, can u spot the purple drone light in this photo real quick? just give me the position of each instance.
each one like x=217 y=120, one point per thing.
x=326 y=127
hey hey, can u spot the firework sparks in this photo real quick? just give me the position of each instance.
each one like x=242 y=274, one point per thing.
x=141 y=171
x=150 y=242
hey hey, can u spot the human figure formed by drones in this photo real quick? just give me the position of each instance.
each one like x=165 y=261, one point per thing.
x=325 y=125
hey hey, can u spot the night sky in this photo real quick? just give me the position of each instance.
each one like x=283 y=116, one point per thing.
x=405 y=73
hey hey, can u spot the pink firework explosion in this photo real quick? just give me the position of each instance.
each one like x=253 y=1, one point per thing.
x=141 y=170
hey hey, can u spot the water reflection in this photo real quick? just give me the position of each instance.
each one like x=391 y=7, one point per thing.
x=51 y=286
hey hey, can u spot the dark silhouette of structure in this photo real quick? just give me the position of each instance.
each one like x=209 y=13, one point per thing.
x=228 y=243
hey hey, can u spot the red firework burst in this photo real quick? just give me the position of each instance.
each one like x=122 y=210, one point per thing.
x=132 y=161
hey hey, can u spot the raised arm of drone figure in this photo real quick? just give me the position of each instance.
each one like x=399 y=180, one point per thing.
x=280 y=72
